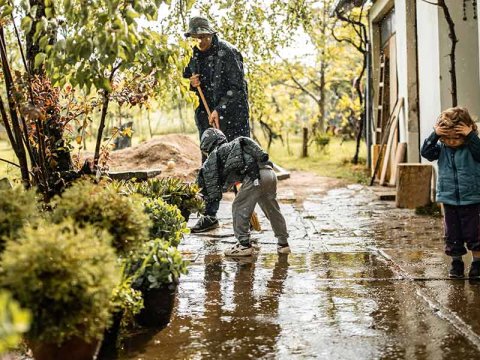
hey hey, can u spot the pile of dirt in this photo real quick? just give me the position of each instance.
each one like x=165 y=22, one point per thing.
x=157 y=152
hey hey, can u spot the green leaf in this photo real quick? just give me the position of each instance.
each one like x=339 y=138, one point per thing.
x=43 y=41
x=40 y=59
x=25 y=4
x=33 y=11
x=68 y=5
x=7 y=11
x=26 y=24
x=49 y=12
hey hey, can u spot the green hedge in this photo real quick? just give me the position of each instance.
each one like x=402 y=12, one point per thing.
x=65 y=276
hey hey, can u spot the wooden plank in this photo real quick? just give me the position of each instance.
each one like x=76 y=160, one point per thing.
x=391 y=134
x=396 y=110
x=393 y=153
x=399 y=158
x=376 y=154
x=393 y=128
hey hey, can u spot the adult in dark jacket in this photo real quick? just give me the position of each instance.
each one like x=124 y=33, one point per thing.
x=217 y=68
x=242 y=161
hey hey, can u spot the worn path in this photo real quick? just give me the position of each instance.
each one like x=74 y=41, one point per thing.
x=364 y=281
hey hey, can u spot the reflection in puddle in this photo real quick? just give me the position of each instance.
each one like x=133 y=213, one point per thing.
x=307 y=305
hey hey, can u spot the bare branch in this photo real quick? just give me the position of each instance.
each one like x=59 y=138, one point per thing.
x=431 y=3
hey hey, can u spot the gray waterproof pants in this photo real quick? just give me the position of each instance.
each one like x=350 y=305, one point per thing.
x=265 y=194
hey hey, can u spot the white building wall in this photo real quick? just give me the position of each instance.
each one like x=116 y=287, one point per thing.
x=428 y=67
x=467 y=59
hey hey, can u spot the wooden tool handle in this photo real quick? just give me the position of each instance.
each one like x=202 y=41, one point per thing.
x=204 y=101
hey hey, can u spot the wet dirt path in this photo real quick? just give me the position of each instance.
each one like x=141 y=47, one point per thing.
x=364 y=281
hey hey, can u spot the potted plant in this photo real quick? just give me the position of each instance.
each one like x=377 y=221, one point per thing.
x=65 y=276
x=167 y=222
x=173 y=191
x=157 y=278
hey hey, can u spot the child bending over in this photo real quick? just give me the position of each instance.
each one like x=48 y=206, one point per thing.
x=241 y=161
x=458 y=185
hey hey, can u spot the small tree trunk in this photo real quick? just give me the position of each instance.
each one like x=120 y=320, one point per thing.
x=106 y=100
x=305 y=143
x=358 y=88
x=453 y=38
x=149 y=121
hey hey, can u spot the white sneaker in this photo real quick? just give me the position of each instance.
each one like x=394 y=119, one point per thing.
x=239 y=250
x=283 y=249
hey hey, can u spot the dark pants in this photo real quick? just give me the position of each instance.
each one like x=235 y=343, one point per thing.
x=462 y=226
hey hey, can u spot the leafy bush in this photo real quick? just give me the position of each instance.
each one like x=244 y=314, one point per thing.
x=123 y=216
x=321 y=141
x=17 y=207
x=127 y=300
x=65 y=275
x=168 y=223
x=13 y=322
x=173 y=191
x=163 y=264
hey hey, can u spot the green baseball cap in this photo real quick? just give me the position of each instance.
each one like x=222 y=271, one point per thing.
x=199 y=25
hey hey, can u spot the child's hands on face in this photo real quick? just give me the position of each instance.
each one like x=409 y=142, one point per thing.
x=441 y=130
x=463 y=129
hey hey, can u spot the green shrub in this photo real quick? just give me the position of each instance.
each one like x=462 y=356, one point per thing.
x=163 y=264
x=17 y=207
x=123 y=216
x=13 y=322
x=168 y=223
x=321 y=141
x=65 y=275
x=173 y=191
x=126 y=300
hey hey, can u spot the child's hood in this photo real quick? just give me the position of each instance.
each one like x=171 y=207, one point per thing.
x=211 y=139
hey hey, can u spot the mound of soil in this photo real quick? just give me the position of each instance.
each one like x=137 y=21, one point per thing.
x=155 y=154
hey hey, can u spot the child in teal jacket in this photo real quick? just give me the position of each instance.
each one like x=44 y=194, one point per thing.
x=458 y=185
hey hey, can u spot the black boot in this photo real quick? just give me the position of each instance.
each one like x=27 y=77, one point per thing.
x=457 y=270
x=205 y=223
x=474 y=272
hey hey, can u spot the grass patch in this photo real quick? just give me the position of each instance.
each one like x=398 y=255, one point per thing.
x=6 y=170
x=334 y=160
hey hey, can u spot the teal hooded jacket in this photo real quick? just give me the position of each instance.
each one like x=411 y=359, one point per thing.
x=458 y=180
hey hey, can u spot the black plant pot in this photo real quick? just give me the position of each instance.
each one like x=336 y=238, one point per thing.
x=108 y=348
x=158 y=306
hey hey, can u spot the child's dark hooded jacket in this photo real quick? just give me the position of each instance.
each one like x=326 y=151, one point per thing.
x=227 y=162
